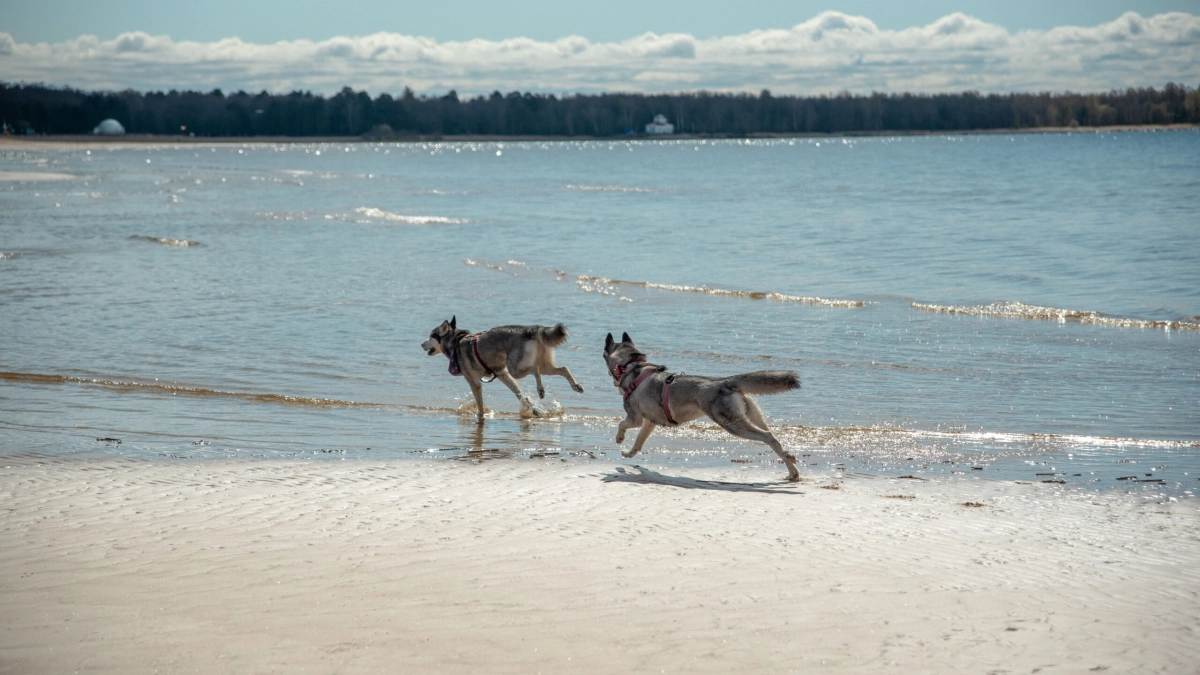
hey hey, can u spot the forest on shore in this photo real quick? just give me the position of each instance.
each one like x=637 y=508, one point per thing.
x=42 y=109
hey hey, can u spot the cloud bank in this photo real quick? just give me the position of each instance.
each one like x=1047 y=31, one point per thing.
x=831 y=52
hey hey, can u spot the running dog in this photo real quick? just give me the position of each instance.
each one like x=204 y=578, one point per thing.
x=654 y=397
x=505 y=353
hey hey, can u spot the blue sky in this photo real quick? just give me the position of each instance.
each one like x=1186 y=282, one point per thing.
x=264 y=21
x=475 y=47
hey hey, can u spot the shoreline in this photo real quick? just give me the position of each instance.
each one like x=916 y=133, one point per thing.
x=254 y=566
x=150 y=140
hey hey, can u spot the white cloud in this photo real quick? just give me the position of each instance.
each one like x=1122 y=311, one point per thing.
x=830 y=52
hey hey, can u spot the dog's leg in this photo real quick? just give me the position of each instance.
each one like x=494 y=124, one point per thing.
x=744 y=428
x=647 y=427
x=477 y=389
x=755 y=413
x=630 y=422
x=563 y=372
x=509 y=382
x=537 y=376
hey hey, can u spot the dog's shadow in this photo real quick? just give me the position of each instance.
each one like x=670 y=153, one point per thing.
x=645 y=475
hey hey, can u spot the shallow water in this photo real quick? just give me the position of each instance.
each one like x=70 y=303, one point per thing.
x=1004 y=307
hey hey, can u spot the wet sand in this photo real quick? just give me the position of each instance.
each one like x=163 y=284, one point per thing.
x=34 y=176
x=548 y=566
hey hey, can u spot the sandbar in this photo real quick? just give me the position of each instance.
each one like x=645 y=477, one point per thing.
x=34 y=176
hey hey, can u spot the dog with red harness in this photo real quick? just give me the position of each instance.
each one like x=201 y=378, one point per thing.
x=505 y=353
x=654 y=397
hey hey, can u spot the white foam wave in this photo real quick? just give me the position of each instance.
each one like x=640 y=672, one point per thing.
x=281 y=215
x=372 y=212
x=1019 y=310
x=490 y=266
x=588 y=286
x=753 y=295
x=608 y=188
x=167 y=242
x=278 y=180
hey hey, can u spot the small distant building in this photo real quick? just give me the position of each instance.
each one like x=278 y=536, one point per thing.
x=660 y=125
x=109 y=127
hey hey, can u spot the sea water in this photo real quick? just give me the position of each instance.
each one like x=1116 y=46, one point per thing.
x=1010 y=307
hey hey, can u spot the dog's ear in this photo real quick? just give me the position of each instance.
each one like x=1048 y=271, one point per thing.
x=608 y=344
x=452 y=320
x=625 y=338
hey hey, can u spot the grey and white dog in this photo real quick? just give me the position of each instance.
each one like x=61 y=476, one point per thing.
x=505 y=353
x=655 y=397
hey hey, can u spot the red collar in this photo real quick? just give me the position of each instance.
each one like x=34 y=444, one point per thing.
x=619 y=371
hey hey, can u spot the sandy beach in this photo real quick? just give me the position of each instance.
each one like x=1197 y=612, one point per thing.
x=548 y=566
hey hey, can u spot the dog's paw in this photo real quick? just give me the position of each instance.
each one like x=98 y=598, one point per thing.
x=541 y=393
x=620 y=438
x=628 y=453
x=578 y=388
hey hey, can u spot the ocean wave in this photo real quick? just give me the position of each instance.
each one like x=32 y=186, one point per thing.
x=7 y=256
x=491 y=266
x=180 y=390
x=1019 y=310
x=605 y=286
x=278 y=180
x=372 y=212
x=876 y=441
x=165 y=241
x=753 y=295
x=588 y=286
x=608 y=188
x=881 y=365
x=540 y=410
x=281 y=215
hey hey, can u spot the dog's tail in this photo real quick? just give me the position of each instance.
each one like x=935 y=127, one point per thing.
x=763 y=382
x=552 y=337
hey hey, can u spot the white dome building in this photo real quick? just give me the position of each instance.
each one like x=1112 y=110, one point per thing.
x=109 y=127
x=660 y=125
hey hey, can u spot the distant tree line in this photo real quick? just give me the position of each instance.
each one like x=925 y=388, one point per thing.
x=53 y=110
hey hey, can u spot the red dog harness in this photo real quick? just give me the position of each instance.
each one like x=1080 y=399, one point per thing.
x=666 y=402
x=619 y=372
x=478 y=359
x=643 y=376
x=454 y=367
